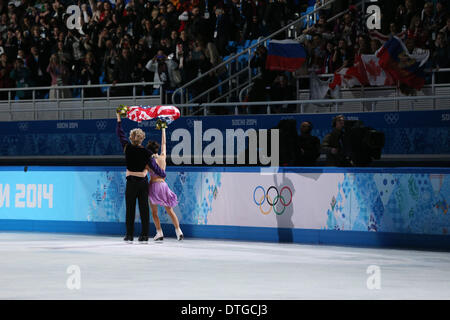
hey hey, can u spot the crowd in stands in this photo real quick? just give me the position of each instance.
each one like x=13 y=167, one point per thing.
x=420 y=24
x=122 y=41
x=172 y=41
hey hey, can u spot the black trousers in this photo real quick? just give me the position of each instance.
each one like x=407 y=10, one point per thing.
x=137 y=188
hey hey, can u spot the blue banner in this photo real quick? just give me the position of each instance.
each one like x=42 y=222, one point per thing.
x=415 y=132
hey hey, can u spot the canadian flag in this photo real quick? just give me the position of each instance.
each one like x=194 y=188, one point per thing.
x=365 y=71
x=374 y=73
x=350 y=77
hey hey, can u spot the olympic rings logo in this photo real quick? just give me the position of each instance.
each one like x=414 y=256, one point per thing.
x=391 y=118
x=265 y=196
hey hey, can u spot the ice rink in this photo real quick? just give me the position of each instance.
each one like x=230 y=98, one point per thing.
x=44 y=266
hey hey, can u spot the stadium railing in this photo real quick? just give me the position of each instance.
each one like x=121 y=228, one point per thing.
x=432 y=89
x=81 y=107
x=103 y=108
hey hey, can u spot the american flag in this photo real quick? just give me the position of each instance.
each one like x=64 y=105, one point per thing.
x=165 y=113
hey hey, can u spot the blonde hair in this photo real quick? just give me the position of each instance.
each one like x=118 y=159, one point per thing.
x=137 y=136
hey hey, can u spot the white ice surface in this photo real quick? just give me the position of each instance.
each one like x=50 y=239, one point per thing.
x=34 y=266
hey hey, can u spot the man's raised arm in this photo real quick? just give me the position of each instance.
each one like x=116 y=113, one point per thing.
x=120 y=133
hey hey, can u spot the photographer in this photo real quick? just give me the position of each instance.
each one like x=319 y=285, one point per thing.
x=335 y=146
x=163 y=69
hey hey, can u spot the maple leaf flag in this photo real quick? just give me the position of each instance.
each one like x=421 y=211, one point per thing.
x=376 y=76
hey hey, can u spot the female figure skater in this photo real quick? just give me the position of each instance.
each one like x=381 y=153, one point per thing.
x=159 y=192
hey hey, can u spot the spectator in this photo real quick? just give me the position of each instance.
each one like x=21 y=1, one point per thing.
x=212 y=59
x=5 y=80
x=316 y=53
x=405 y=14
x=90 y=74
x=308 y=145
x=165 y=45
x=173 y=40
x=196 y=64
x=258 y=93
x=441 y=58
x=446 y=30
x=163 y=69
x=343 y=56
x=63 y=55
x=181 y=54
x=155 y=18
x=375 y=44
x=147 y=33
x=123 y=69
x=142 y=52
x=281 y=90
x=328 y=65
x=253 y=29
x=109 y=61
x=10 y=45
x=74 y=48
x=276 y=16
x=162 y=30
x=4 y=23
x=259 y=61
x=172 y=16
x=440 y=16
x=38 y=75
x=22 y=43
x=346 y=28
x=234 y=12
x=363 y=46
x=21 y=75
x=59 y=74
x=428 y=18
x=418 y=33
x=212 y=55
x=222 y=31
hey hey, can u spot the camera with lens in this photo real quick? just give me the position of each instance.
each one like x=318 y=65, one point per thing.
x=365 y=144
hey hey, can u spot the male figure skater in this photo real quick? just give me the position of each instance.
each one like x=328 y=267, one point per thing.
x=137 y=157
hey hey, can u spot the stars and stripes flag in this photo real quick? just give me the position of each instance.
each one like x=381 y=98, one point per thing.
x=166 y=114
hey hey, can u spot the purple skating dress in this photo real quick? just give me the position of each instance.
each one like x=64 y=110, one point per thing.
x=159 y=193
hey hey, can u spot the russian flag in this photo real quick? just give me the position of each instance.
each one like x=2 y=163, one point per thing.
x=285 y=55
x=404 y=67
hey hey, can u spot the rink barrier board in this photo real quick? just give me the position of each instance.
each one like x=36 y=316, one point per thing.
x=239 y=233
x=236 y=232
x=263 y=170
